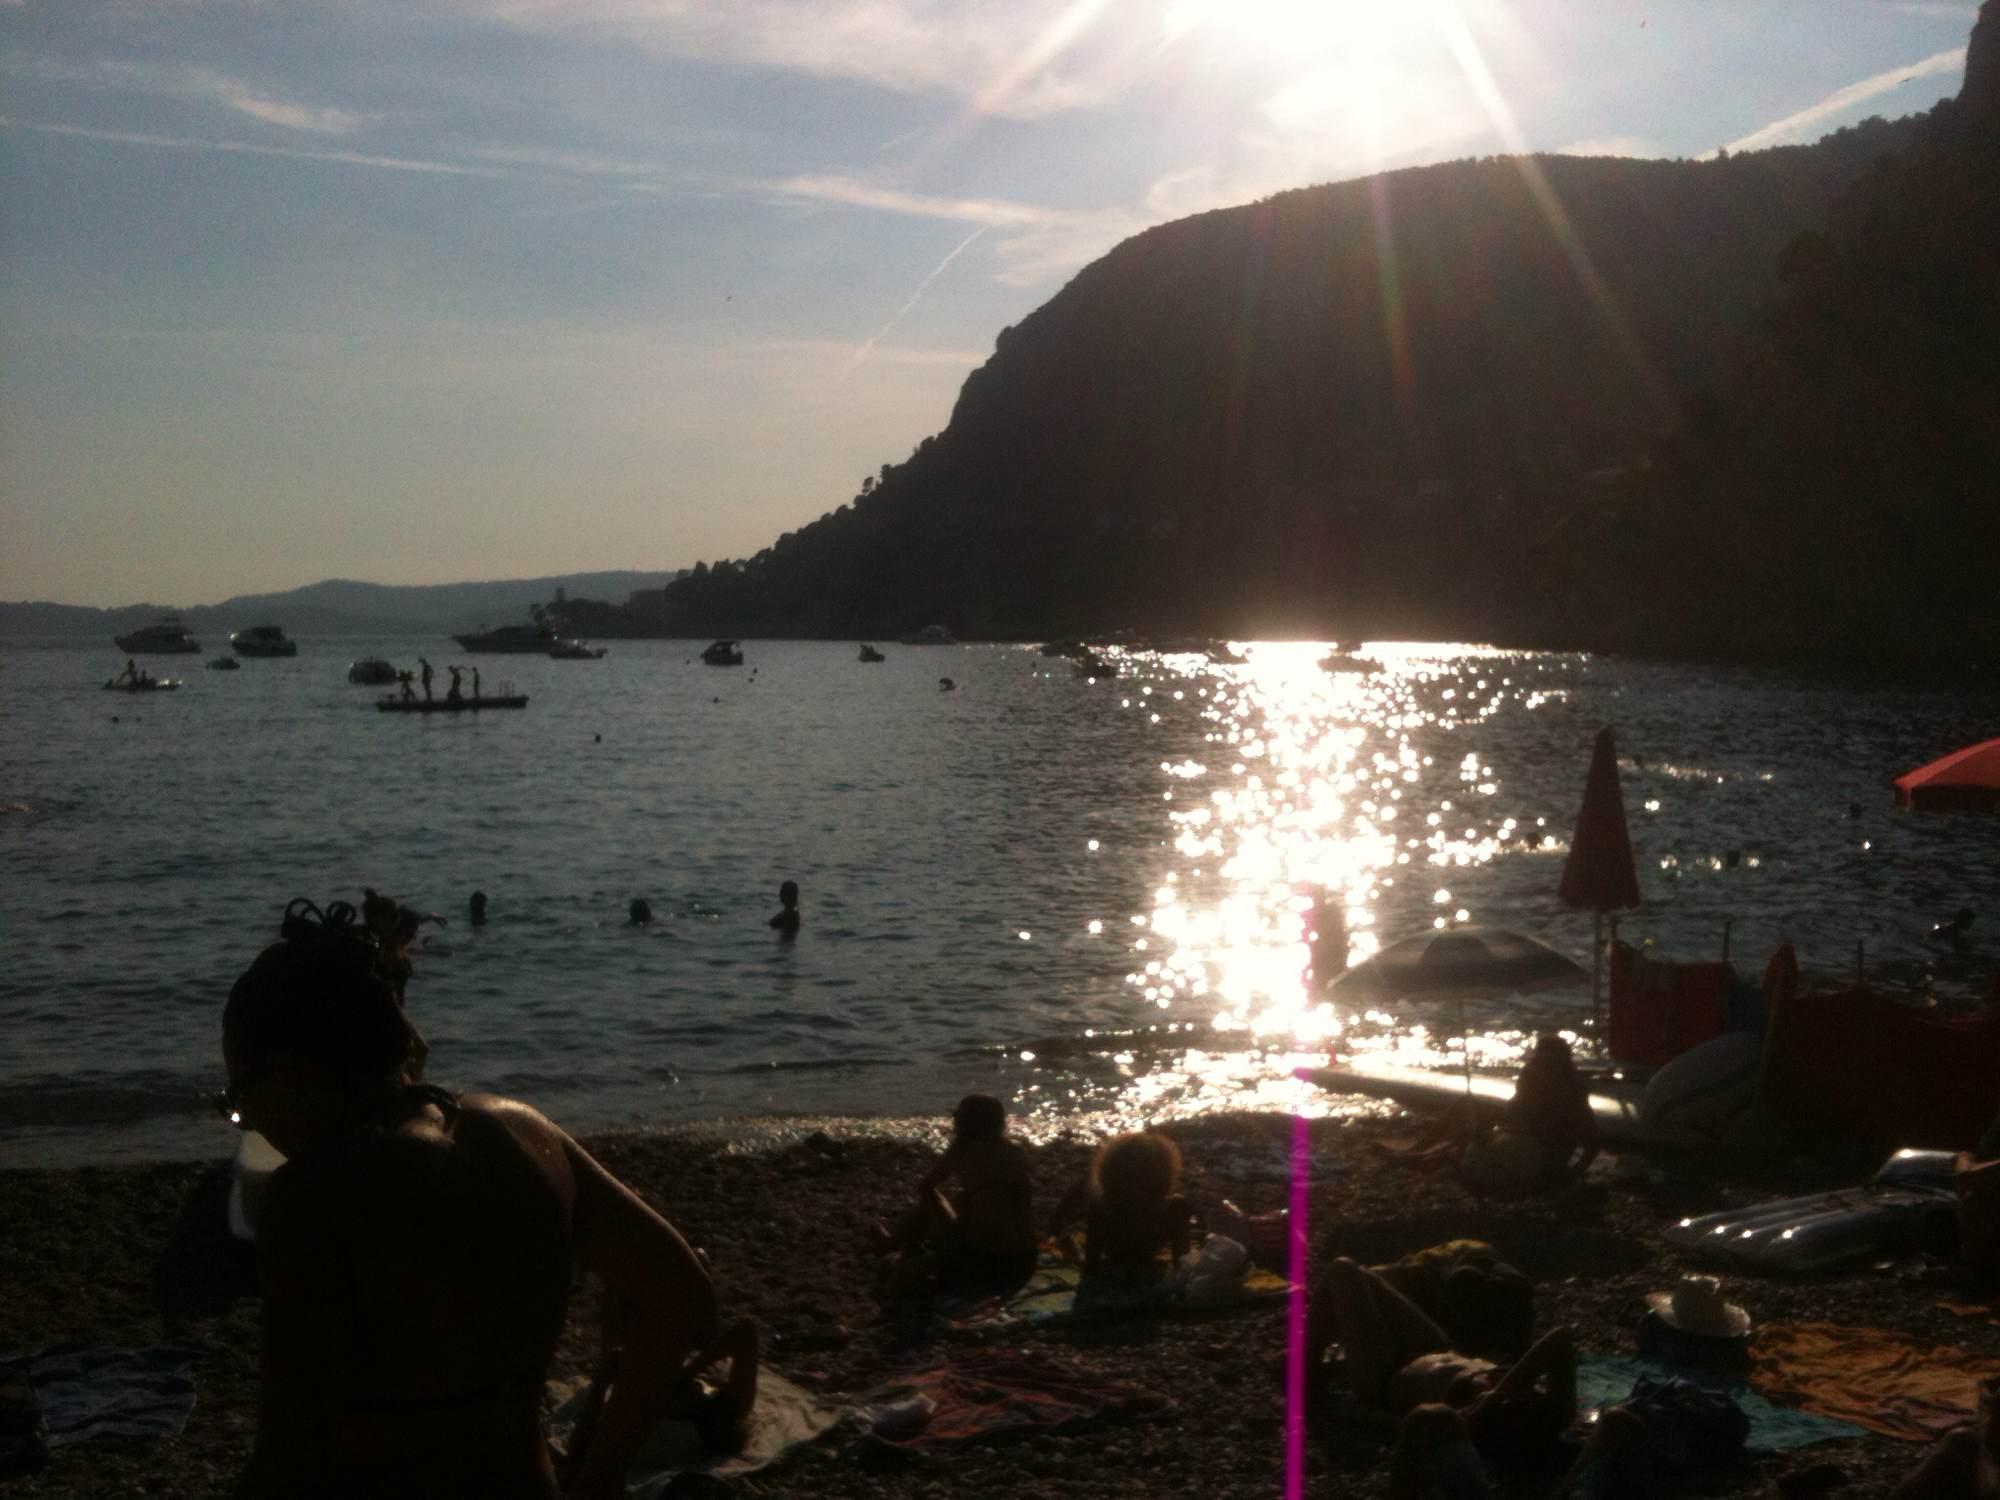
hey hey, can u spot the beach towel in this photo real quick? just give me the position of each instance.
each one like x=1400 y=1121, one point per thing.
x=1057 y=1293
x=995 y=1394
x=130 y=1392
x=785 y=1418
x=1609 y=1379
x=1887 y=1382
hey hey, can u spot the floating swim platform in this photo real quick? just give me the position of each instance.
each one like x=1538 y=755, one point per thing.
x=447 y=705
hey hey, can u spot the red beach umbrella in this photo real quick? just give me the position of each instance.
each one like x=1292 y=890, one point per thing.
x=1599 y=875
x=1964 y=779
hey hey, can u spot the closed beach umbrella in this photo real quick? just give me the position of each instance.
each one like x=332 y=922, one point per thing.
x=1599 y=875
x=1459 y=962
x=1967 y=779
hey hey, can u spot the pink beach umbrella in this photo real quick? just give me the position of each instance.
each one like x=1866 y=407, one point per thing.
x=1967 y=779
x=1599 y=876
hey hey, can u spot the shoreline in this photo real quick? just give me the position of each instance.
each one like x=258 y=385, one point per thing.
x=136 y=1255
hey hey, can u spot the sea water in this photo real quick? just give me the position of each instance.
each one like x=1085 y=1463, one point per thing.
x=1087 y=894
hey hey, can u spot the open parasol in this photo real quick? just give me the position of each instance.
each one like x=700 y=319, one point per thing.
x=1967 y=779
x=1459 y=963
x=1599 y=875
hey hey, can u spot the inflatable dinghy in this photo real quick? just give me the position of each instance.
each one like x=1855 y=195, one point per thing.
x=1906 y=1207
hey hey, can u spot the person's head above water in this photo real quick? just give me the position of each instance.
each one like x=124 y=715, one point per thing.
x=477 y=906
x=641 y=910
x=979 y=1117
x=312 y=1034
x=788 y=893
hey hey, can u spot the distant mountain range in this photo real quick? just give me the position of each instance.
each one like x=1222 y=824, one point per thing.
x=341 y=606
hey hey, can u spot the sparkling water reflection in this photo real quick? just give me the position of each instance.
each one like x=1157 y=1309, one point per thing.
x=1098 y=894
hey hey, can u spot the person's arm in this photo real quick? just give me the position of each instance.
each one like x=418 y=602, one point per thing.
x=941 y=1173
x=667 y=1298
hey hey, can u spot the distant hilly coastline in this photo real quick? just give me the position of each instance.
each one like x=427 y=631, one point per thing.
x=1738 y=408
x=340 y=606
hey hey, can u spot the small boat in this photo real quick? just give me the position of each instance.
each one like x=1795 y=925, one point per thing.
x=224 y=664
x=168 y=637
x=576 y=651
x=724 y=654
x=869 y=653
x=263 y=640
x=371 y=671
x=523 y=640
x=449 y=705
x=1090 y=664
x=1347 y=661
x=931 y=635
x=144 y=685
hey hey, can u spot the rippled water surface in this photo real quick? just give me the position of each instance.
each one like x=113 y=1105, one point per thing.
x=1088 y=894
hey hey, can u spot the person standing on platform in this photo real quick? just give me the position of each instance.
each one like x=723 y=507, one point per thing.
x=425 y=664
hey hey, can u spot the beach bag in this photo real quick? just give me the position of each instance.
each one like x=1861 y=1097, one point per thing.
x=1687 y=1425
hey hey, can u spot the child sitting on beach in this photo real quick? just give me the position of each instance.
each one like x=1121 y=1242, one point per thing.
x=982 y=1242
x=1551 y=1106
x=1131 y=1205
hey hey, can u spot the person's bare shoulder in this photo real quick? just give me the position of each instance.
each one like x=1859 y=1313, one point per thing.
x=545 y=1142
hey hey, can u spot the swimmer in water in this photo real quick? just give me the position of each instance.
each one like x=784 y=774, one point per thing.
x=476 y=913
x=786 y=922
x=640 y=911
x=1956 y=930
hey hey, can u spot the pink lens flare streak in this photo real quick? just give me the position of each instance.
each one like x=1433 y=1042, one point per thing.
x=1295 y=1340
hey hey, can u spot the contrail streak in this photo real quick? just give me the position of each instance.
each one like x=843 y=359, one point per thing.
x=922 y=286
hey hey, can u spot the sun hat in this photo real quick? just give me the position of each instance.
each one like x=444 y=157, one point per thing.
x=1696 y=1307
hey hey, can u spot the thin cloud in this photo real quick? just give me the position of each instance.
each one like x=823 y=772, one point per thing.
x=1000 y=58
x=882 y=354
x=992 y=212
x=1801 y=125
x=252 y=148
x=179 y=81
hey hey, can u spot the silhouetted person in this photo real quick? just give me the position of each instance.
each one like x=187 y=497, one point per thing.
x=641 y=911
x=982 y=1242
x=417 y=1253
x=946 y=685
x=1957 y=930
x=1854 y=809
x=475 y=684
x=406 y=677
x=787 y=919
x=1552 y=1105
x=1131 y=1204
x=1326 y=932
x=131 y=672
x=477 y=909
x=454 y=693
x=427 y=677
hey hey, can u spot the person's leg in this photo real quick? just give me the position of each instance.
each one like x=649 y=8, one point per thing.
x=1379 y=1328
x=1435 y=1459
x=1538 y=1391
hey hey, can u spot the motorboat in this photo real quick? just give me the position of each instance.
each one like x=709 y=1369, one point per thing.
x=263 y=640
x=371 y=671
x=168 y=636
x=931 y=635
x=535 y=639
x=724 y=654
x=224 y=664
x=450 y=705
x=144 y=685
x=869 y=653
x=573 y=650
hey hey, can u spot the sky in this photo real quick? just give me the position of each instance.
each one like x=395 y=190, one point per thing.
x=419 y=291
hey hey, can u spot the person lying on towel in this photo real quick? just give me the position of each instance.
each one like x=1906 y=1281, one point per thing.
x=1396 y=1359
x=417 y=1248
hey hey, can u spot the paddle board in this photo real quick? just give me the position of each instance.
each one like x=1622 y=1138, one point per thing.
x=1614 y=1103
